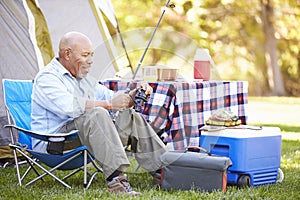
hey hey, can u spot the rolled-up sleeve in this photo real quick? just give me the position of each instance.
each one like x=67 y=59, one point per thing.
x=103 y=93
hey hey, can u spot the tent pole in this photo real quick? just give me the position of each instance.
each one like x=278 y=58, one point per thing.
x=123 y=45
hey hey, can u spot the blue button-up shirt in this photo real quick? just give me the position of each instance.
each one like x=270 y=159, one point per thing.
x=58 y=98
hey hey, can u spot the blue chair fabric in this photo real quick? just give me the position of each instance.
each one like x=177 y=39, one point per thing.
x=17 y=99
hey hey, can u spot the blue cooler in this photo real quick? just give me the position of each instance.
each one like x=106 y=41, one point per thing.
x=255 y=154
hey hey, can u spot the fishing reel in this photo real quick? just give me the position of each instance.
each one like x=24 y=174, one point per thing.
x=140 y=98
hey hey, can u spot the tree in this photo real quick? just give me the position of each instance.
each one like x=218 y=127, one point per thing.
x=274 y=74
x=257 y=40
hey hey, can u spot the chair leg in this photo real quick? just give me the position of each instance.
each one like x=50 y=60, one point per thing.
x=46 y=172
x=71 y=174
x=29 y=161
x=92 y=176
x=99 y=169
x=88 y=177
x=31 y=167
x=49 y=173
x=33 y=162
x=17 y=167
x=84 y=169
x=91 y=179
x=28 y=170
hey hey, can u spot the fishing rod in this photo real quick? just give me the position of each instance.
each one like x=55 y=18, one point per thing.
x=152 y=36
x=141 y=97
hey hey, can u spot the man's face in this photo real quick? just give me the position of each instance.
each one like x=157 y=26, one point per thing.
x=81 y=58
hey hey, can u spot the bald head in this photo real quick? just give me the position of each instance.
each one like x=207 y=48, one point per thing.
x=72 y=40
x=75 y=53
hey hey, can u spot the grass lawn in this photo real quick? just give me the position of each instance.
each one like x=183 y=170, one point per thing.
x=281 y=112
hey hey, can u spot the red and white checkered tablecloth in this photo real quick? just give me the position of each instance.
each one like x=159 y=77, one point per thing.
x=179 y=109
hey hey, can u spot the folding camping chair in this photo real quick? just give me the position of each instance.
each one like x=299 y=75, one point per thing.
x=17 y=99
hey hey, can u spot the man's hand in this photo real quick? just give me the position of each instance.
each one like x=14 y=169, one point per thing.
x=120 y=102
x=148 y=89
x=145 y=86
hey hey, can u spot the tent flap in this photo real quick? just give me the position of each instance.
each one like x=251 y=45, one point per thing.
x=30 y=33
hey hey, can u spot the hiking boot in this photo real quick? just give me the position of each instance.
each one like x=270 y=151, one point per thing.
x=156 y=180
x=121 y=185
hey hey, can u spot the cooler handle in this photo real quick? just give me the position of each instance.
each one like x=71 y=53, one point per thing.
x=189 y=148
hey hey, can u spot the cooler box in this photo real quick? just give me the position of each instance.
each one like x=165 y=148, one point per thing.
x=255 y=154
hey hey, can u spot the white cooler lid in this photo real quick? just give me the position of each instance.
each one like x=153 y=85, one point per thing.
x=244 y=132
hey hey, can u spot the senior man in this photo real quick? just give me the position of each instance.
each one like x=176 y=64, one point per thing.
x=65 y=97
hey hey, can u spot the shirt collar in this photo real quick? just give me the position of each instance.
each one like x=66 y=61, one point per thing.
x=61 y=69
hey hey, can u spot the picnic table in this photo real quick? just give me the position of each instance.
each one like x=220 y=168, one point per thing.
x=178 y=109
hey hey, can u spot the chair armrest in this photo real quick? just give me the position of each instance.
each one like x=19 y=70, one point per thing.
x=45 y=137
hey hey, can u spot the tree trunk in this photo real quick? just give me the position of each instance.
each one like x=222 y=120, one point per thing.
x=273 y=71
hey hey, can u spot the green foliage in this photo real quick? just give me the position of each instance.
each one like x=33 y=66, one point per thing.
x=231 y=30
